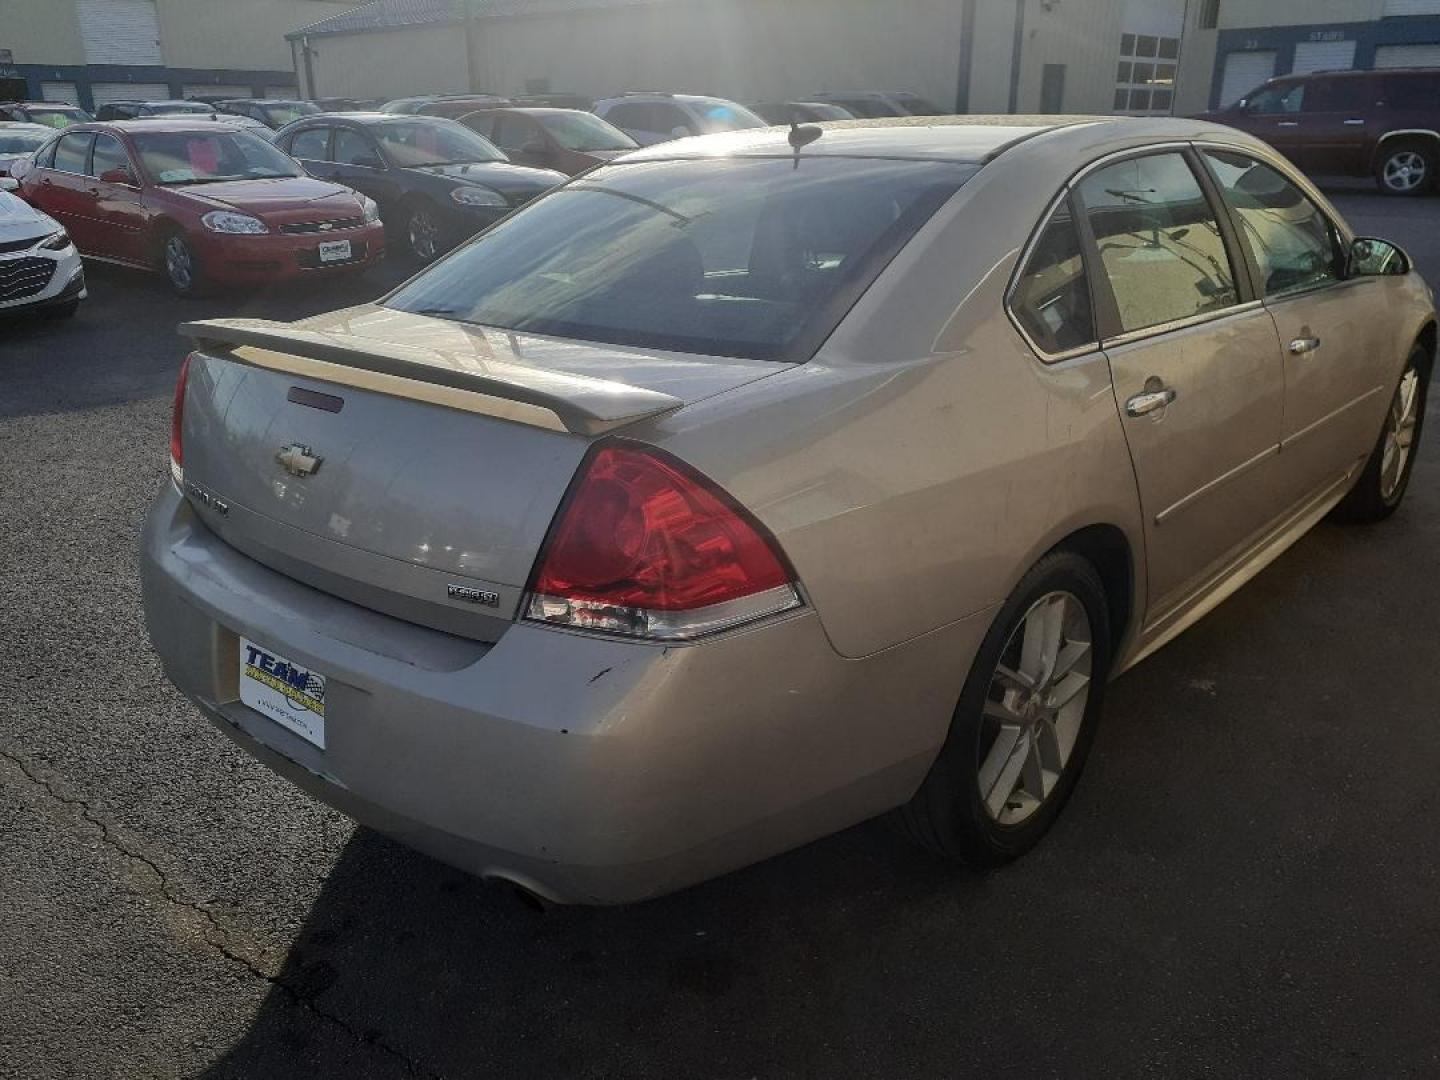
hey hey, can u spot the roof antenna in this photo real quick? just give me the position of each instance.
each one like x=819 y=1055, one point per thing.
x=801 y=136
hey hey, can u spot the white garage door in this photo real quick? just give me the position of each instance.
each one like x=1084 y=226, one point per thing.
x=1398 y=56
x=1412 y=7
x=120 y=32
x=1324 y=56
x=106 y=92
x=60 y=91
x=211 y=90
x=1244 y=71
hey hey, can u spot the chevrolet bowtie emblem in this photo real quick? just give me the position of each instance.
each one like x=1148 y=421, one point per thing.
x=298 y=460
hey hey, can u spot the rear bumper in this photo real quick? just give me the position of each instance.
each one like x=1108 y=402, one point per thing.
x=588 y=769
x=250 y=260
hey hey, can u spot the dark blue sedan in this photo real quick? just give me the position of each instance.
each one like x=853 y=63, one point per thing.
x=437 y=182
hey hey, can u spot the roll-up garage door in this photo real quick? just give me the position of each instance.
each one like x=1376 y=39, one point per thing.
x=1244 y=71
x=1412 y=7
x=1399 y=56
x=120 y=32
x=60 y=91
x=1324 y=56
x=106 y=92
x=211 y=90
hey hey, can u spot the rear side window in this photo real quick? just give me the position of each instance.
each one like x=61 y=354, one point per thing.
x=1412 y=92
x=1292 y=241
x=310 y=144
x=732 y=257
x=1051 y=299
x=352 y=148
x=1160 y=244
x=73 y=152
x=1350 y=94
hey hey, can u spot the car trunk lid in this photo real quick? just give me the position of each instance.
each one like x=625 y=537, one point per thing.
x=408 y=463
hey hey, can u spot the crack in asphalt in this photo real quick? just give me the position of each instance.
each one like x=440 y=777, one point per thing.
x=220 y=945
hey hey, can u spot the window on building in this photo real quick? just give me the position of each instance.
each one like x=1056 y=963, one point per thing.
x=1169 y=48
x=1144 y=86
x=1146 y=45
x=1209 y=17
x=1159 y=241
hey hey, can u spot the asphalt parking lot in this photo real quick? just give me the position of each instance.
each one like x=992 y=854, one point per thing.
x=1244 y=885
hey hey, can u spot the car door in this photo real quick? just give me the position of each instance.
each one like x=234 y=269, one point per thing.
x=118 y=219
x=359 y=164
x=1335 y=392
x=62 y=188
x=1332 y=137
x=1273 y=113
x=1194 y=362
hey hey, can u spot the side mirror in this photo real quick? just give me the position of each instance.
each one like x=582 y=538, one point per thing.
x=9 y=183
x=1370 y=257
x=117 y=176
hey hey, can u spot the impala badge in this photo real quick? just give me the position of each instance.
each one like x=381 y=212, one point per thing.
x=298 y=460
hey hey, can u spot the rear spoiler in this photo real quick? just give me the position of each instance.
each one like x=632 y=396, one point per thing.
x=583 y=405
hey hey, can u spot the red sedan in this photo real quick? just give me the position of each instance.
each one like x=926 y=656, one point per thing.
x=205 y=203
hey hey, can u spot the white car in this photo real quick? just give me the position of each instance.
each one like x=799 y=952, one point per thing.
x=39 y=266
x=658 y=118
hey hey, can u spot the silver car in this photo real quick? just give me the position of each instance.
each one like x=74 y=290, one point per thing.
x=755 y=485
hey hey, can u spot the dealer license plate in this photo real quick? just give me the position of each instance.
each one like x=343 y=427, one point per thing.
x=334 y=251
x=289 y=693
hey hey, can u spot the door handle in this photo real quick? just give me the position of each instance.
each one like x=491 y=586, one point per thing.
x=1354 y=123
x=1149 y=402
x=1287 y=123
x=1302 y=345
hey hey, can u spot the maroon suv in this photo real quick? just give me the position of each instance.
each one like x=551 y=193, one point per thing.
x=1384 y=124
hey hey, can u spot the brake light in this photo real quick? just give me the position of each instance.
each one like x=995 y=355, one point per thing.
x=177 y=424
x=646 y=546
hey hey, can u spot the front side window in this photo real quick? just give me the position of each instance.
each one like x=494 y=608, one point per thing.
x=1052 y=296
x=73 y=153
x=109 y=156
x=585 y=132
x=1276 y=100
x=419 y=142
x=669 y=119
x=516 y=133
x=310 y=144
x=732 y=257
x=633 y=115
x=1160 y=244
x=1293 y=242
x=280 y=115
x=192 y=157
x=353 y=148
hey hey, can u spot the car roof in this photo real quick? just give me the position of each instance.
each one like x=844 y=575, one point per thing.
x=24 y=125
x=961 y=139
x=45 y=105
x=179 y=123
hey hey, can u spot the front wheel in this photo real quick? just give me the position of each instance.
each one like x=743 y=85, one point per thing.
x=1406 y=168
x=1025 y=721
x=181 y=265
x=1381 y=487
x=422 y=232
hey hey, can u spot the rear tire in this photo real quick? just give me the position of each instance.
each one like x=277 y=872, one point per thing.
x=1407 y=167
x=1381 y=487
x=966 y=809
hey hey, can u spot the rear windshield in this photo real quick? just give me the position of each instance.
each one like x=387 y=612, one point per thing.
x=732 y=257
x=20 y=142
x=194 y=157
x=290 y=110
x=56 y=118
x=174 y=108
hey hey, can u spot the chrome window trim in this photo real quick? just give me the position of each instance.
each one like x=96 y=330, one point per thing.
x=1130 y=337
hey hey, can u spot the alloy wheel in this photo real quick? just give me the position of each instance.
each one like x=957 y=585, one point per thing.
x=1035 y=708
x=178 y=263
x=424 y=234
x=1400 y=424
x=1405 y=171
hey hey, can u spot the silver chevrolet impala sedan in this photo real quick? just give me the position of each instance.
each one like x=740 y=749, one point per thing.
x=755 y=485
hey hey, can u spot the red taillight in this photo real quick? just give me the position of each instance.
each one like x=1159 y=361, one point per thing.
x=644 y=545
x=177 y=424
